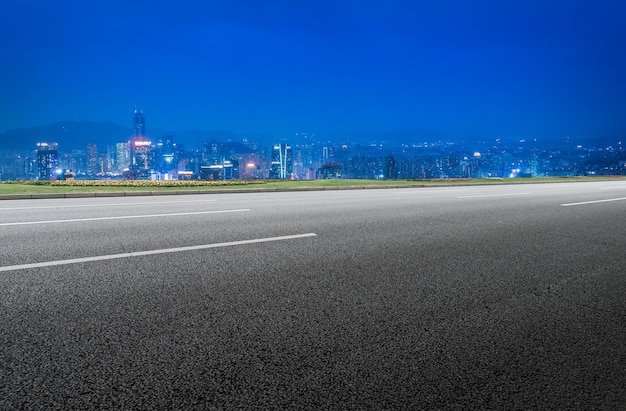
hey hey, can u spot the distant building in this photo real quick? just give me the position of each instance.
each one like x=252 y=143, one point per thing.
x=122 y=153
x=140 y=153
x=77 y=162
x=251 y=167
x=166 y=154
x=139 y=124
x=92 y=159
x=47 y=160
x=110 y=160
x=330 y=171
x=30 y=168
x=140 y=147
x=282 y=162
x=391 y=170
x=226 y=170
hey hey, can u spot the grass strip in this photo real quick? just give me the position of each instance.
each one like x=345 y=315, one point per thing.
x=37 y=187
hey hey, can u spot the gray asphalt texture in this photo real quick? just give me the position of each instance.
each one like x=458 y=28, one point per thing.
x=487 y=297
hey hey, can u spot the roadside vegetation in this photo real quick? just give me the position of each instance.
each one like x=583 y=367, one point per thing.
x=64 y=186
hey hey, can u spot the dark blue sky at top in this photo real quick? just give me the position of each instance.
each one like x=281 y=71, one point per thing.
x=455 y=68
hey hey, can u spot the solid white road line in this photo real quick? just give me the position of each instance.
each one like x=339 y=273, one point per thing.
x=105 y=205
x=495 y=195
x=594 y=202
x=153 y=252
x=74 y=220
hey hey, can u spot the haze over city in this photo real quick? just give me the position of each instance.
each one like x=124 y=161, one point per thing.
x=451 y=69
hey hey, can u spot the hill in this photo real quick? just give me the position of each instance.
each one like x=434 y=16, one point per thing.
x=69 y=135
x=76 y=134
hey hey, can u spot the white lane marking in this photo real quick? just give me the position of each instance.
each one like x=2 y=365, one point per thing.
x=74 y=220
x=104 y=205
x=495 y=195
x=594 y=202
x=153 y=252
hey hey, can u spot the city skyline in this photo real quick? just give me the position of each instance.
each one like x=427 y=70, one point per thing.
x=142 y=157
x=450 y=68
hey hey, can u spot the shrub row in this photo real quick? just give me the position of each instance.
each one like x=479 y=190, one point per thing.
x=137 y=183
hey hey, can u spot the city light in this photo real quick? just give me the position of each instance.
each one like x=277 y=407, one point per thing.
x=142 y=158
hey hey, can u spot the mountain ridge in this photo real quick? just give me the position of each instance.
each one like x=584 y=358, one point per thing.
x=72 y=135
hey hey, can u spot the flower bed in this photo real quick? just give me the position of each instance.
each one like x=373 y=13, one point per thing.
x=137 y=183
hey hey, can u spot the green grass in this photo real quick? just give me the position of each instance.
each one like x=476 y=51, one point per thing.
x=32 y=187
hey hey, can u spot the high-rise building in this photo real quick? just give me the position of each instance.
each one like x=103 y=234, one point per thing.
x=282 y=162
x=139 y=123
x=140 y=154
x=166 y=154
x=47 y=160
x=122 y=151
x=79 y=162
x=92 y=158
x=139 y=144
x=111 y=159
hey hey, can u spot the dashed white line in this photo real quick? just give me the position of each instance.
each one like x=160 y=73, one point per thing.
x=74 y=220
x=594 y=202
x=495 y=195
x=104 y=205
x=153 y=252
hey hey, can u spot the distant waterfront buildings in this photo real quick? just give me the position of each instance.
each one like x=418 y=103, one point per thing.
x=313 y=160
x=140 y=157
x=166 y=155
x=139 y=124
x=330 y=171
x=282 y=162
x=92 y=159
x=122 y=157
x=140 y=154
x=76 y=161
x=47 y=160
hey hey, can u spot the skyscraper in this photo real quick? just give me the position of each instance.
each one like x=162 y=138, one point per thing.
x=165 y=154
x=139 y=144
x=282 y=162
x=139 y=123
x=140 y=159
x=92 y=158
x=123 y=156
x=47 y=160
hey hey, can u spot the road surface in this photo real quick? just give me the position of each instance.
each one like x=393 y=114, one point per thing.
x=493 y=297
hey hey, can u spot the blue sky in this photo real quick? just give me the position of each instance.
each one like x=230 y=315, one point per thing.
x=456 y=68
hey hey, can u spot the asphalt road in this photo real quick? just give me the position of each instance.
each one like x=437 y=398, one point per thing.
x=487 y=297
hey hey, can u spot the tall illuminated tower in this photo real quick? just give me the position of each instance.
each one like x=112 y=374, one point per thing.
x=123 y=156
x=282 y=162
x=47 y=160
x=139 y=144
x=139 y=123
x=92 y=158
